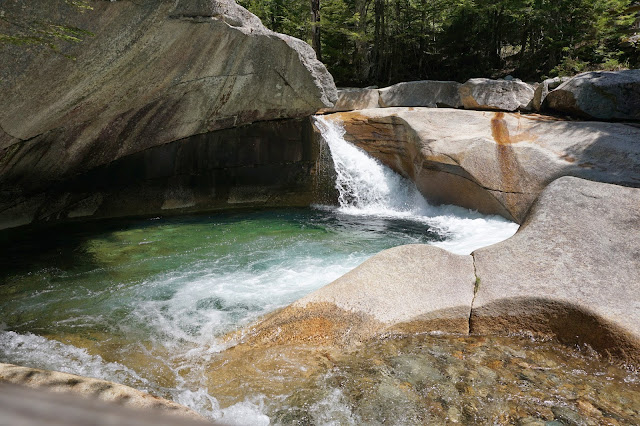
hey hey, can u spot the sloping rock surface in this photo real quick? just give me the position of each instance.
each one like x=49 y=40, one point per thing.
x=87 y=387
x=422 y=93
x=404 y=288
x=501 y=95
x=602 y=95
x=494 y=162
x=571 y=271
x=156 y=72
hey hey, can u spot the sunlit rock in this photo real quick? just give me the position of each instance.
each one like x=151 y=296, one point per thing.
x=602 y=95
x=500 y=95
x=354 y=98
x=87 y=387
x=493 y=162
x=425 y=93
x=572 y=271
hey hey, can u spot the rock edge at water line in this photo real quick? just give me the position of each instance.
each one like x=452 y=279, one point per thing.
x=88 y=387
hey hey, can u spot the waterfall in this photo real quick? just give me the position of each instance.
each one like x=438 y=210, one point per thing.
x=366 y=187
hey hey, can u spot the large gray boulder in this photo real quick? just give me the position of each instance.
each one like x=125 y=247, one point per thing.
x=499 y=95
x=603 y=95
x=425 y=93
x=543 y=90
x=354 y=98
x=493 y=162
x=156 y=73
x=572 y=271
x=407 y=288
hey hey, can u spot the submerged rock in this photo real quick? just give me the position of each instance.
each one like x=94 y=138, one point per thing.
x=602 y=95
x=155 y=73
x=572 y=271
x=493 y=162
x=425 y=93
x=501 y=95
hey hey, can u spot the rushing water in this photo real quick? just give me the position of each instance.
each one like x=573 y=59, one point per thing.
x=144 y=302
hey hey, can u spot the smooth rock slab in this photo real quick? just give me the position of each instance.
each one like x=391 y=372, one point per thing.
x=572 y=271
x=432 y=94
x=500 y=95
x=602 y=95
x=407 y=288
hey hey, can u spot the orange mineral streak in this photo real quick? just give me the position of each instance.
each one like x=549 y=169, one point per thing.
x=501 y=134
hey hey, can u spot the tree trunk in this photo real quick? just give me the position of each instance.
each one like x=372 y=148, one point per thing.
x=315 y=28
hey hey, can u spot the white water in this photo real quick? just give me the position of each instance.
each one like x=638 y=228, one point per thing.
x=254 y=278
x=368 y=188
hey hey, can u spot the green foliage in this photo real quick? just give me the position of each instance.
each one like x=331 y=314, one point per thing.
x=385 y=41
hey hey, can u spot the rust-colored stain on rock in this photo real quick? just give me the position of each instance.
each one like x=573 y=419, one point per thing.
x=499 y=129
x=501 y=134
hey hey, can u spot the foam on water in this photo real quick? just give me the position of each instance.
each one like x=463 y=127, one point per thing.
x=368 y=188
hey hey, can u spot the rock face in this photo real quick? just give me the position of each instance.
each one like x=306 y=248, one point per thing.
x=354 y=98
x=543 y=90
x=494 y=162
x=422 y=93
x=155 y=73
x=404 y=289
x=572 y=271
x=54 y=381
x=599 y=95
x=500 y=95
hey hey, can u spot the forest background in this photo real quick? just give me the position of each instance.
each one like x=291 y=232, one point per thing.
x=382 y=42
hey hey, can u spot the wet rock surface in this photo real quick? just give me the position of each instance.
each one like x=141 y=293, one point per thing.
x=493 y=162
x=87 y=387
x=424 y=379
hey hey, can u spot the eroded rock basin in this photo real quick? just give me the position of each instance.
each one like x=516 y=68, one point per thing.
x=139 y=305
x=145 y=302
